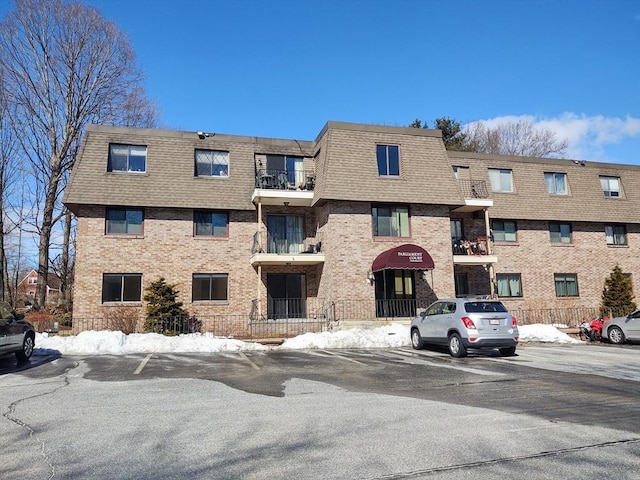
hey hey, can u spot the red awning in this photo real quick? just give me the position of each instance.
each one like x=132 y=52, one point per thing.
x=404 y=257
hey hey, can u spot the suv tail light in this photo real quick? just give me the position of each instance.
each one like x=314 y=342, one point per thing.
x=514 y=322
x=468 y=322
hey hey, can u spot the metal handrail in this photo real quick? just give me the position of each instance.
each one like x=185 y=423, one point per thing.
x=285 y=179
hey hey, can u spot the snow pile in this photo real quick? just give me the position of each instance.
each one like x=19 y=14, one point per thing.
x=394 y=335
x=544 y=333
x=108 y=342
x=117 y=343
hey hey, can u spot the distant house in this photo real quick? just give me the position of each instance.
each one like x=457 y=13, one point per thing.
x=27 y=288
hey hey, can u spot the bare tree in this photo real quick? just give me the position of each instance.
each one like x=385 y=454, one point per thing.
x=65 y=66
x=518 y=137
x=10 y=219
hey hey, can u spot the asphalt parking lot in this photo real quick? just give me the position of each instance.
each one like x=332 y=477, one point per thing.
x=549 y=412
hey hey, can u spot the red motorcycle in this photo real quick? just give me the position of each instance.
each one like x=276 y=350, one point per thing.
x=592 y=330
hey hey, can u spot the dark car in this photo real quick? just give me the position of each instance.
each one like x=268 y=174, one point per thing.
x=622 y=329
x=16 y=334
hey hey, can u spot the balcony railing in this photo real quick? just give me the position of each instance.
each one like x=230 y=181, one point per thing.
x=473 y=188
x=264 y=242
x=286 y=179
x=476 y=246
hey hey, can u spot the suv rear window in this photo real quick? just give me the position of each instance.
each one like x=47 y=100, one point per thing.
x=479 y=307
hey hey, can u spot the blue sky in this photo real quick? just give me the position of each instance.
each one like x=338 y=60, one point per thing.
x=282 y=68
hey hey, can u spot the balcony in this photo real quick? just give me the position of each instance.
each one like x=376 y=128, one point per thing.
x=475 y=194
x=472 y=252
x=278 y=251
x=289 y=187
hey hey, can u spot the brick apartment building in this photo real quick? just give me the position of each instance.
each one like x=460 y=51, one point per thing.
x=364 y=222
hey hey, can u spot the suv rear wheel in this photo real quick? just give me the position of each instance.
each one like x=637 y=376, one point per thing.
x=456 y=348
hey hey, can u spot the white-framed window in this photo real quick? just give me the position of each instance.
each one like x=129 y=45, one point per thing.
x=556 y=183
x=388 y=157
x=566 y=284
x=121 y=287
x=616 y=234
x=560 y=232
x=127 y=158
x=504 y=230
x=124 y=221
x=501 y=179
x=390 y=220
x=32 y=280
x=610 y=186
x=210 y=287
x=211 y=163
x=509 y=284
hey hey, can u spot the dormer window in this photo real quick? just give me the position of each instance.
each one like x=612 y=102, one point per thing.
x=388 y=160
x=127 y=158
x=501 y=179
x=556 y=183
x=212 y=163
x=610 y=186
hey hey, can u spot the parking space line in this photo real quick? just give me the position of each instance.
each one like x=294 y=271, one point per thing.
x=246 y=359
x=142 y=364
x=474 y=371
x=342 y=357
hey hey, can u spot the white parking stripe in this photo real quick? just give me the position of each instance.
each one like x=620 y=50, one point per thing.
x=142 y=364
x=246 y=359
x=343 y=357
x=415 y=355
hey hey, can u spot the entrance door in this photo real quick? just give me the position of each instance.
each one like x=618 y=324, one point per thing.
x=395 y=293
x=286 y=295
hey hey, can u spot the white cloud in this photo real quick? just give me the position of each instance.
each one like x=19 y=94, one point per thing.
x=588 y=137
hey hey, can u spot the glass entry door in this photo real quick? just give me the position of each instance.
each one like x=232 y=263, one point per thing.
x=395 y=293
x=286 y=296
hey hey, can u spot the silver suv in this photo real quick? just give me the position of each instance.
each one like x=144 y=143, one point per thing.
x=464 y=323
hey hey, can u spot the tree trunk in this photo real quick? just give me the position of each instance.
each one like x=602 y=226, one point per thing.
x=45 y=237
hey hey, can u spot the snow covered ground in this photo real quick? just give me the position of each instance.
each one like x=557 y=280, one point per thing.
x=117 y=343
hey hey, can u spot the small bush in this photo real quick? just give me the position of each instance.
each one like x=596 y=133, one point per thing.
x=124 y=319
